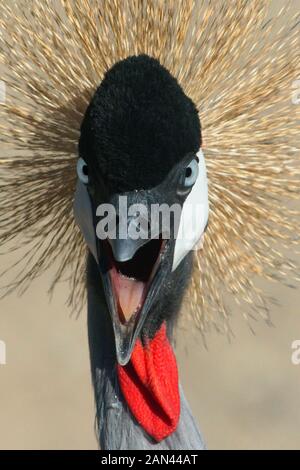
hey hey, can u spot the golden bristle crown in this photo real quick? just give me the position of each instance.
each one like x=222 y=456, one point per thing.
x=239 y=65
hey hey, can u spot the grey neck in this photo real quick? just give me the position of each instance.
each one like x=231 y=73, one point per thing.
x=116 y=427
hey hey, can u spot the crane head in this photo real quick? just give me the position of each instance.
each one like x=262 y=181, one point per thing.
x=141 y=172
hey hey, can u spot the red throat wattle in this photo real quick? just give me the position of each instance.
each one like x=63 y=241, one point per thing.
x=149 y=383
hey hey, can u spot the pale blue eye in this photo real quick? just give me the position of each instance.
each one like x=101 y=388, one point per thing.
x=82 y=171
x=191 y=173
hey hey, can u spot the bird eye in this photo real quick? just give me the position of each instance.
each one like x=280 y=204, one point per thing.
x=82 y=171
x=191 y=173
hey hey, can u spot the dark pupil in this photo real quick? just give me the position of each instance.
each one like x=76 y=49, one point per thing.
x=188 y=172
x=85 y=170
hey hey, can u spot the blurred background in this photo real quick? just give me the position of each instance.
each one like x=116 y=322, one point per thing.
x=245 y=393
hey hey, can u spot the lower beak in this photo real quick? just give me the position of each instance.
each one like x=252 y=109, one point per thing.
x=130 y=288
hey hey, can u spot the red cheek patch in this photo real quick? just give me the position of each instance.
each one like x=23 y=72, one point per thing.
x=149 y=383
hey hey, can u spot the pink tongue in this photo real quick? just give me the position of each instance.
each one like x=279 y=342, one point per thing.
x=129 y=294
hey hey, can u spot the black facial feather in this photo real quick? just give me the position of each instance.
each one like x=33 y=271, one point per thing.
x=167 y=305
x=138 y=125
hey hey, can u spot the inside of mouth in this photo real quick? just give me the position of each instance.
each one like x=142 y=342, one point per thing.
x=130 y=279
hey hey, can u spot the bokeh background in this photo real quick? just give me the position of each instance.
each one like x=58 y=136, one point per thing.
x=245 y=393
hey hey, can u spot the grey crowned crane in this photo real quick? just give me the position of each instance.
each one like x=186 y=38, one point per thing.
x=140 y=138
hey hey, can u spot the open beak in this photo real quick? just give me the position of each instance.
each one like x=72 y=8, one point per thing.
x=130 y=286
x=132 y=272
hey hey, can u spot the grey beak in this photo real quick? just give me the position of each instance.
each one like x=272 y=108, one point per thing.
x=124 y=246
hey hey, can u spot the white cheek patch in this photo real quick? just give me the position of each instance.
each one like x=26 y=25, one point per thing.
x=194 y=215
x=83 y=215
